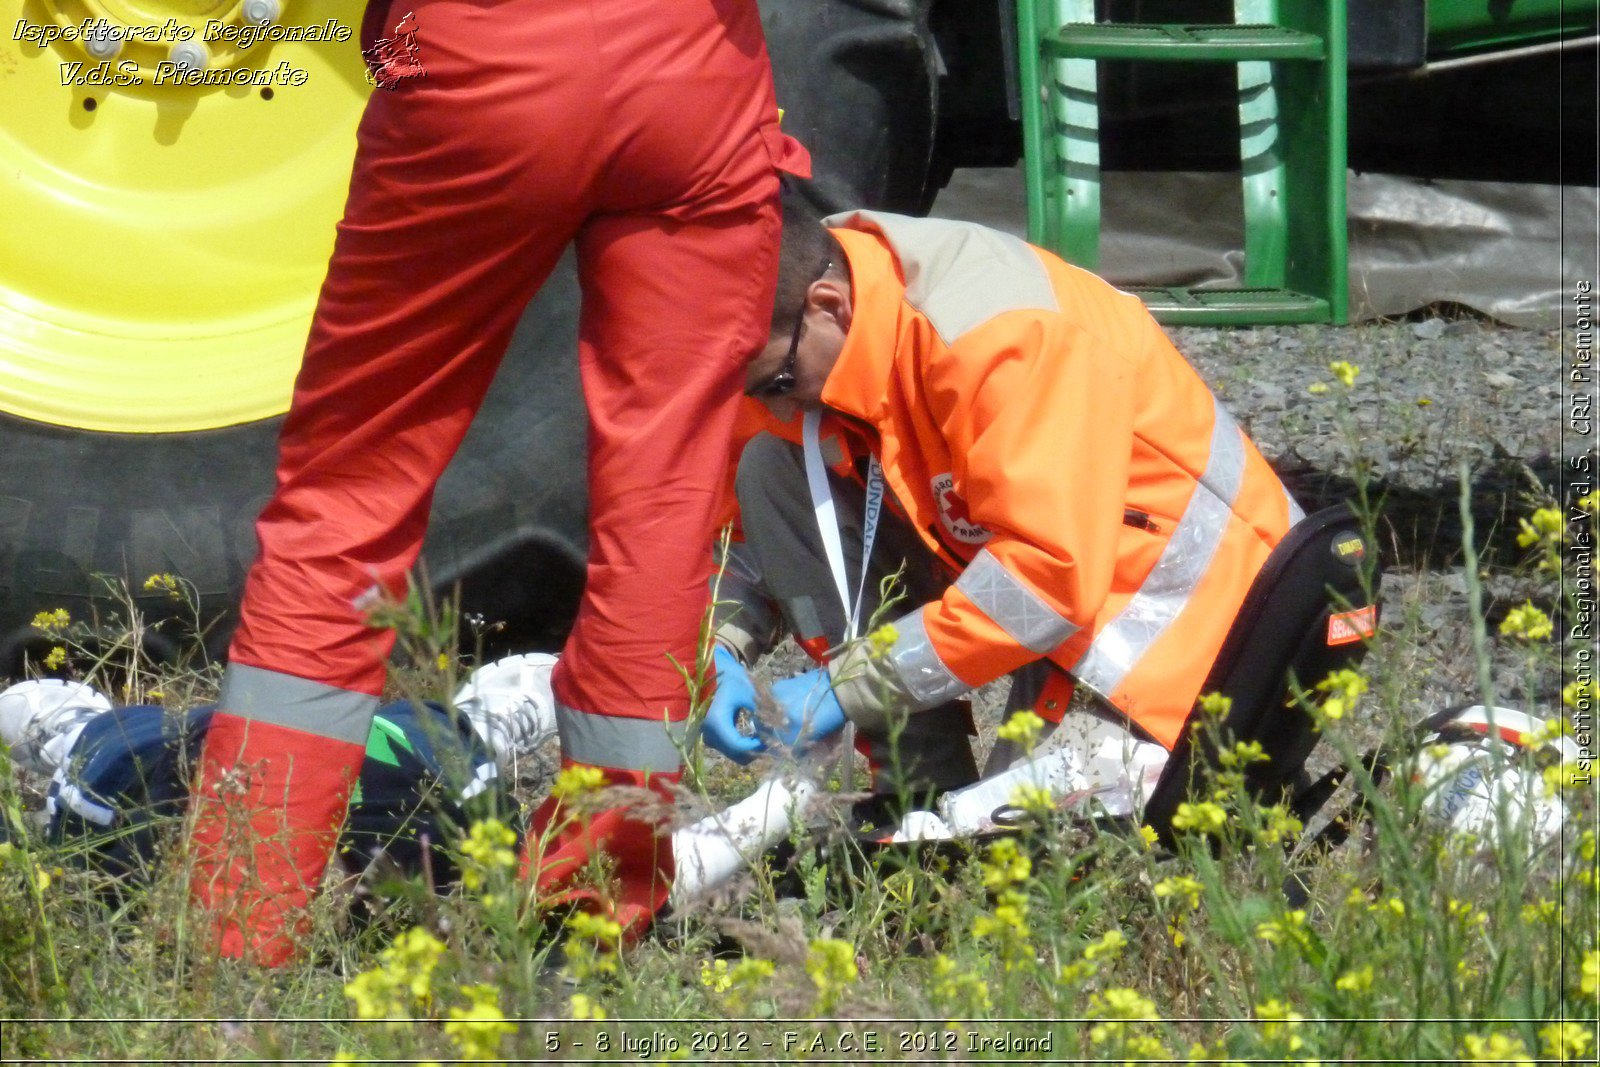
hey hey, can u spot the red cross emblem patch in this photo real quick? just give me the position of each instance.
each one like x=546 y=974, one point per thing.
x=953 y=512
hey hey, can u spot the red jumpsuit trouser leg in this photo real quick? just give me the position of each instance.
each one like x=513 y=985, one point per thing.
x=646 y=133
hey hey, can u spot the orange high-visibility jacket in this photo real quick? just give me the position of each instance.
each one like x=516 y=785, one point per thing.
x=1037 y=426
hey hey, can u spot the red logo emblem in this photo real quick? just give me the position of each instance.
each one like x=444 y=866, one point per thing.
x=954 y=515
x=1348 y=626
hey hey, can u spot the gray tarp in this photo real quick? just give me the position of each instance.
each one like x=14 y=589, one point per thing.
x=1510 y=251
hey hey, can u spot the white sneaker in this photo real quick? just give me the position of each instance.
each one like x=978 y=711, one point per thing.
x=41 y=719
x=510 y=705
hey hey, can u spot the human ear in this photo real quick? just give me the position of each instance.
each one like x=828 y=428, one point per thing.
x=833 y=300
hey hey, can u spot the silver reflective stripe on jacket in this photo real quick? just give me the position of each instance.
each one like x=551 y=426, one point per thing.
x=622 y=743
x=1015 y=608
x=959 y=275
x=297 y=703
x=1183 y=563
x=918 y=666
x=1296 y=513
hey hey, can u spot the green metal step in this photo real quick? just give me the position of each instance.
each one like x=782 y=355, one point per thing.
x=1181 y=306
x=1222 y=42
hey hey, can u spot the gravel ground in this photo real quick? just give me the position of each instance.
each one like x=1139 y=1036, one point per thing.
x=1430 y=394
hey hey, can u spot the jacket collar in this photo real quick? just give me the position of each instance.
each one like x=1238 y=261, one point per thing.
x=858 y=385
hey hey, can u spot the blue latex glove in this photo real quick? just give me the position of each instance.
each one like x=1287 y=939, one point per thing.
x=810 y=710
x=735 y=693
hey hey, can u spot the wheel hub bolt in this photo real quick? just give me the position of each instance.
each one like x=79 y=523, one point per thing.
x=262 y=10
x=102 y=44
x=190 y=55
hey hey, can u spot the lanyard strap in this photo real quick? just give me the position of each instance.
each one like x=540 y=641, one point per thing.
x=828 y=518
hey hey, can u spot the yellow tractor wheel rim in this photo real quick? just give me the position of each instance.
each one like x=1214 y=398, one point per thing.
x=166 y=227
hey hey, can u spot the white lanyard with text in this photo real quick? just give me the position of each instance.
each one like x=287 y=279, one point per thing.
x=828 y=518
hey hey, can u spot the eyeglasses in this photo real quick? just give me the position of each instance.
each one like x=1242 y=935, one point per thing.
x=782 y=383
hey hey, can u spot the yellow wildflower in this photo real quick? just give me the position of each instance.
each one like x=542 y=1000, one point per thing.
x=55 y=658
x=479 y=1028
x=1242 y=754
x=1077 y=971
x=1126 y=1004
x=1562 y=777
x=1393 y=905
x=1317 y=388
x=1148 y=836
x=52 y=623
x=1278 y=825
x=411 y=960
x=714 y=975
x=376 y=995
x=1215 y=705
x=1496 y=1048
x=577 y=780
x=1574 y=693
x=881 y=640
x=1179 y=887
x=1203 y=818
x=1033 y=799
x=1357 y=981
x=1589 y=983
x=1544 y=526
x=1291 y=929
x=1006 y=865
x=1108 y=947
x=1279 y=1023
x=1008 y=924
x=746 y=978
x=1022 y=729
x=1565 y=1041
x=1343 y=688
x=591 y=948
x=1527 y=622
x=584 y=1006
x=831 y=964
x=1543 y=911
x=1345 y=371
x=956 y=991
x=488 y=848
x=1460 y=909
x=164 y=583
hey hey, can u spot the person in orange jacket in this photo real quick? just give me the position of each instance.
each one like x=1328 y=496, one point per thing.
x=645 y=135
x=1067 y=494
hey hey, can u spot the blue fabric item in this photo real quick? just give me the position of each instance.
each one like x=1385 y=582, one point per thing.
x=126 y=770
x=810 y=710
x=735 y=693
x=425 y=777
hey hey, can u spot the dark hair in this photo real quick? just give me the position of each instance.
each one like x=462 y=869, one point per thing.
x=807 y=249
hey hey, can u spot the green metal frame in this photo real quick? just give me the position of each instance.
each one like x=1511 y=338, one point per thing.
x=1291 y=60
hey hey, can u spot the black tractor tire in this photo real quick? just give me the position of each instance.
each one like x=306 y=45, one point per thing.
x=858 y=82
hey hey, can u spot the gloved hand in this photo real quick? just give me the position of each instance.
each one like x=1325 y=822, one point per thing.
x=809 y=708
x=735 y=693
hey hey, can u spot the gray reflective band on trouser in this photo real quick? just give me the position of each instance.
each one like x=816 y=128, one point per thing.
x=1015 y=608
x=625 y=744
x=298 y=703
x=919 y=667
x=1183 y=562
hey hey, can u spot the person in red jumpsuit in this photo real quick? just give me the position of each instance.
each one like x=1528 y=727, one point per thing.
x=645 y=134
